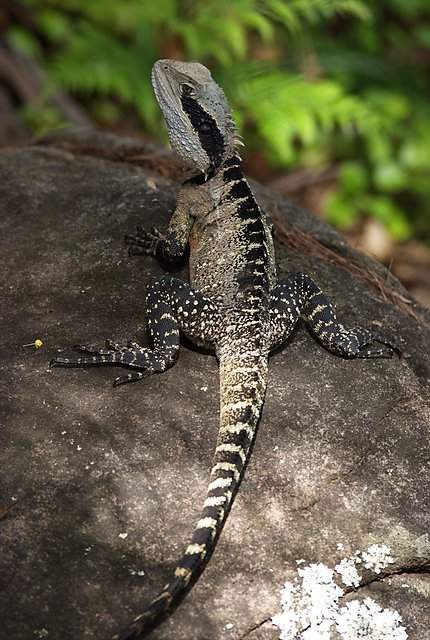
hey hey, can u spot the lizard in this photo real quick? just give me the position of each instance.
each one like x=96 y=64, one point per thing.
x=234 y=303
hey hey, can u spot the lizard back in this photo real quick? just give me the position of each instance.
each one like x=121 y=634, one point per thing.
x=231 y=246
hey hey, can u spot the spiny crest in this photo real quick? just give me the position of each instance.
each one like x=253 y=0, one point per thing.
x=199 y=121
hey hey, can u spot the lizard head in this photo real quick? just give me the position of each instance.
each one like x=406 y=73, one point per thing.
x=198 y=118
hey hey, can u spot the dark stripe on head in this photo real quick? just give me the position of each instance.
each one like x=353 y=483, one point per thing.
x=209 y=134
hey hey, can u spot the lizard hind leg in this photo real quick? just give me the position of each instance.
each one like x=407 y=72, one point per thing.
x=172 y=306
x=299 y=297
x=133 y=355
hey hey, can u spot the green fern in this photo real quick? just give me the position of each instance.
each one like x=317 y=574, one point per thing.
x=292 y=113
x=95 y=63
x=296 y=15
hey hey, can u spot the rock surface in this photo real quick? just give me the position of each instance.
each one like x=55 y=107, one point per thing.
x=100 y=487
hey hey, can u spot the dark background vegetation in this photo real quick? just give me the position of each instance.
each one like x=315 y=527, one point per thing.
x=331 y=96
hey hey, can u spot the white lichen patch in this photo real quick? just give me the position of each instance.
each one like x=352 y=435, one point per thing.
x=319 y=593
x=367 y=619
x=377 y=557
x=288 y=621
x=348 y=573
x=311 y=608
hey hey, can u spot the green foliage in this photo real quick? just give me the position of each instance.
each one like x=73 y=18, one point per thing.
x=42 y=117
x=313 y=83
x=293 y=115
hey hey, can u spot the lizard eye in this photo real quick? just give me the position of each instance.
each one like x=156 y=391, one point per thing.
x=187 y=89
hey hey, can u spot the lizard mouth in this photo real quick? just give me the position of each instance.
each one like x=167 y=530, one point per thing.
x=163 y=86
x=156 y=84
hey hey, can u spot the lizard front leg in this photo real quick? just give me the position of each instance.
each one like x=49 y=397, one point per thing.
x=172 y=306
x=171 y=245
x=299 y=297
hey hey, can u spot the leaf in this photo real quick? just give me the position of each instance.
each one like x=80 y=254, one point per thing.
x=354 y=178
x=54 y=24
x=394 y=218
x=260 y=23
x=422 y=33
x=390 y=177
x=24 y=41
x=340 y=210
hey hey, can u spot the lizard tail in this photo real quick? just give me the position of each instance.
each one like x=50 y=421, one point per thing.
x=243 y=381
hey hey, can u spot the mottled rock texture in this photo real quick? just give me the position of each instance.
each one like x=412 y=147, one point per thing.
x=342 y=454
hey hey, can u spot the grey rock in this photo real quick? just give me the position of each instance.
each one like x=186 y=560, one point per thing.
x=342 y=454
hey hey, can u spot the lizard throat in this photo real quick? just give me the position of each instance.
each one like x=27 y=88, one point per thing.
x=233 y=162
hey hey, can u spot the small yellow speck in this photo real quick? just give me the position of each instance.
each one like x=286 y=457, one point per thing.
x=37 y=344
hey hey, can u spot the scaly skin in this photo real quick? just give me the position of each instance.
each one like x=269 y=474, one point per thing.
x=234 y=304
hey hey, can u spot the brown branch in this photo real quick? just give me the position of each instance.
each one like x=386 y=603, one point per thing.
x=141 y=154
x=302 y=178
x=28 y=82
x=11 y=127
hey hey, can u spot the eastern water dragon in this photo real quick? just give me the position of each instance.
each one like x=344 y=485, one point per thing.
x=234 y=303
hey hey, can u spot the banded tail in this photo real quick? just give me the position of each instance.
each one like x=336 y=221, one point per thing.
x=243 y=381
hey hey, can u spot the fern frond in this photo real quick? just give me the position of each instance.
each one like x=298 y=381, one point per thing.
x=290 y=109
x=94 y=62
x=297 y=15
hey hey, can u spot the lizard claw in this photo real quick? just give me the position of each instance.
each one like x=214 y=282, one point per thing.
x=379 y=346
x=388 y=342
x=91 y=355
x=144 y=241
